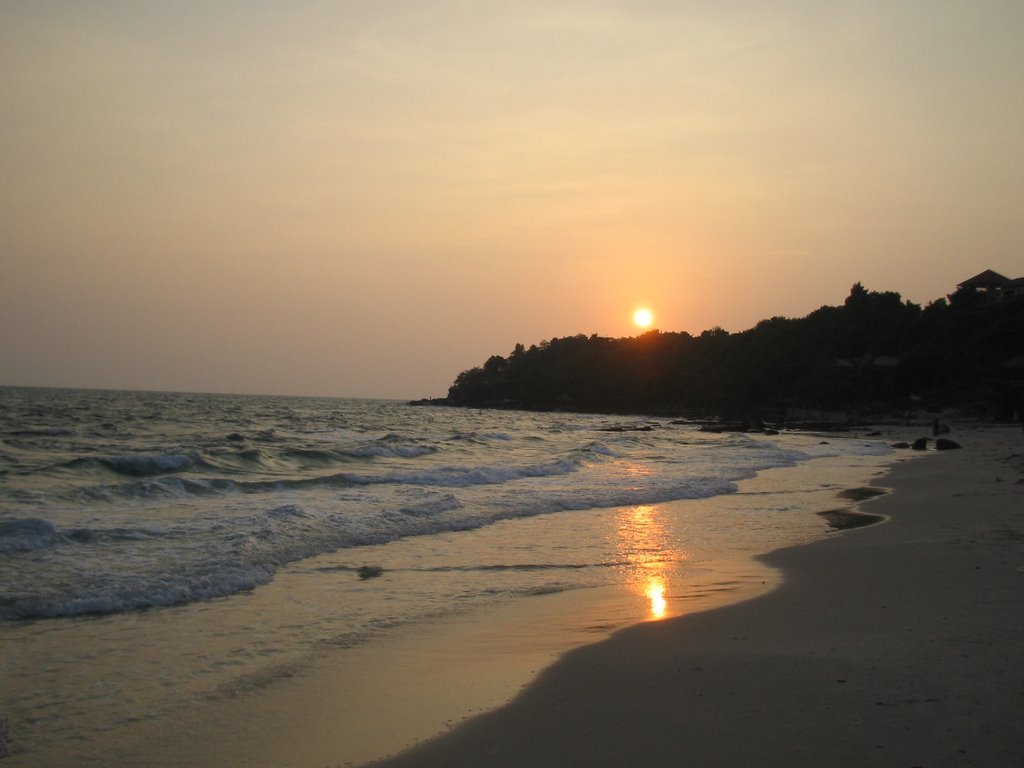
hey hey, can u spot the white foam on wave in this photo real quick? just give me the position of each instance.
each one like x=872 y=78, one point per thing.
x=212 y=518
x=393 y=450
x=129 y=595
x=467 y=476
x=431 y=507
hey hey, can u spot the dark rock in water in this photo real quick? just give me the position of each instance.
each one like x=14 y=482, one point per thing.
x=747 y=427
x=900 y=444
x=369 y=571
x=945 y=444
x=874 y=434
x=862 y=493
x=844 y=519
x=920 y=444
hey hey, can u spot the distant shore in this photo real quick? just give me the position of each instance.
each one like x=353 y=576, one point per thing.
x=893 y=645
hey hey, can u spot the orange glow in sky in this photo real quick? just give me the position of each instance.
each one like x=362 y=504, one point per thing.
x=195 y=201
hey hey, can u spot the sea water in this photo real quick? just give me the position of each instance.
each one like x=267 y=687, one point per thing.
x=146 y=539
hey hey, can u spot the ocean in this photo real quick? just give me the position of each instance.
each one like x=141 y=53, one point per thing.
x=158 y=549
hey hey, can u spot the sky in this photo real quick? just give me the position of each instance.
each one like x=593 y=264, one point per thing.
x=363 y=199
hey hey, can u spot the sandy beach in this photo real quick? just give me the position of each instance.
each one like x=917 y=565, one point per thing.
x=896 y=644
x=893 y=644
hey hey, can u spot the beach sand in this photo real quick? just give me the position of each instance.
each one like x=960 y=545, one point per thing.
x=897 y=644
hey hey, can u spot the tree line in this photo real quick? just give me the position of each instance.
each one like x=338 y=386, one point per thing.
x=876 y=352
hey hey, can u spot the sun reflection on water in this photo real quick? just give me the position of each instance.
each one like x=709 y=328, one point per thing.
x=656 y=594
x=648 y=552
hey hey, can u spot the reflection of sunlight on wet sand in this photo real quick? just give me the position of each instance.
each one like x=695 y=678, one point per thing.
x=646 y=548
x=656 y=594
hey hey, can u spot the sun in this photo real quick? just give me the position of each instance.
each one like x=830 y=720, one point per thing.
x=643 y=318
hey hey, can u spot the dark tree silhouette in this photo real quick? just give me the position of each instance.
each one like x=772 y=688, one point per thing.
x=873 y=352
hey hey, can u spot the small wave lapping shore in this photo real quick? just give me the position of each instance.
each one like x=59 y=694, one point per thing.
x=893 y=645
x=160 y=553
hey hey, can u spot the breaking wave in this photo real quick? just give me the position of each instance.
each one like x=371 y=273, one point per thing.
x=163 y=505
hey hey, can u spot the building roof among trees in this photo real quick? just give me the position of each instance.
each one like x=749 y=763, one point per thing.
x=987 y=279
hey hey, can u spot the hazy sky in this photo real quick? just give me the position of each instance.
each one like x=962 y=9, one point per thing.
x=365 y=198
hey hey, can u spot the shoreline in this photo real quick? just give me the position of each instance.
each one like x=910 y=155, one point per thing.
x=891 y=645
x=352 y=704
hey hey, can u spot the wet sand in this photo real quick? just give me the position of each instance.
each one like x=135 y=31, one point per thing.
x=348 y=704
x=896 y=644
